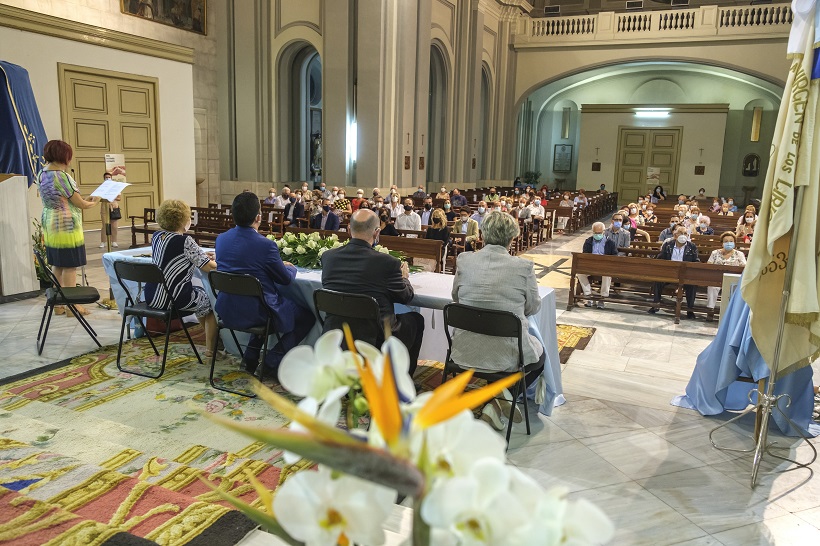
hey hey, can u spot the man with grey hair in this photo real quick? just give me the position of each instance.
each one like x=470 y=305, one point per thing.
x=617 y=233
x=597 y=244
x=359 y=269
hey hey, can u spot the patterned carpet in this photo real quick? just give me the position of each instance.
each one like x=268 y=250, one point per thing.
x=92 y=455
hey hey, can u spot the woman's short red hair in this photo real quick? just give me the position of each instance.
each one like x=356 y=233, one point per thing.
x=57 y=151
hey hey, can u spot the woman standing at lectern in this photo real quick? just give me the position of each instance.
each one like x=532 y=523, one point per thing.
x=62 y=218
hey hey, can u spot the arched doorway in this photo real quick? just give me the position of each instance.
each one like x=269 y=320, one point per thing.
x=300 y=113
x=437 y=117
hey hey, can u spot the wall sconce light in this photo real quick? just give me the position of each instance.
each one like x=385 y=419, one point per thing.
x=565 y=123
x=757 y=116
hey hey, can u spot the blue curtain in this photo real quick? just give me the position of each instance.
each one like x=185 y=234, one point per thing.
x=22 y=136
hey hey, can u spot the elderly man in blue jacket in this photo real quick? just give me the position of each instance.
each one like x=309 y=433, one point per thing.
x=597 y=243
x=243 y=249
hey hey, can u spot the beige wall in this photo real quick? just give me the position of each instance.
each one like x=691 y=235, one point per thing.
x=198 y=81
x=699 y=131
x=40 y=55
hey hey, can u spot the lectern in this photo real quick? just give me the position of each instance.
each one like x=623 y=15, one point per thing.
x=17 y=272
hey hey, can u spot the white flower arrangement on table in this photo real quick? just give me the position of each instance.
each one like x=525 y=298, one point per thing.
x=306 y=249
x=428 y=447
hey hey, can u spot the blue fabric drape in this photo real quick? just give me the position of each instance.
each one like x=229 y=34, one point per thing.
x=22 y=136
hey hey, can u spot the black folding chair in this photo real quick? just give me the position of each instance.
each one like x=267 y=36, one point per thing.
x=241 y=285
x=142 y=273
x=70 y=296
x=360 y=312
x=488 y=322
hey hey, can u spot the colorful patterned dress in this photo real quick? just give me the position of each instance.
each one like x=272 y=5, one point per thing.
x=62 y=221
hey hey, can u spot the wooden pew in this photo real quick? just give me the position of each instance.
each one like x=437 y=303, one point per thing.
x=704 y=275
x=149 y=216
x=430 y=249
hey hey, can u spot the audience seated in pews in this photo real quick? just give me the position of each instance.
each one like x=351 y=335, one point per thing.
x=294 y=210
x=448 y=212
x=427 y=212
x=746 y=230
x=326 y=194
x=581 y=200
x=716 y=205
x=617 y=234
x=732 y=206
x=357 y=202
x=658 y=195
x=537 y=212
x=457 y=199
x=678 y=249
x=284 y=197
x=420 y=193
x=244 y=250
x=669 y=232
x=271 y=198
x=408 y=219
x=704 y=226
x=728 y=255
x=724 y=210
x=439 y=228
x=648 y=213
x=633 y=217
x=467 y=226
x=597 y=244
x=521 y=210
x=386 y=225
x=492 y=196
x=378 y=203
x=442 y=194
x=358 y=268
x=341 y=204
x=492 y=279
x=326 y=219
x=749 y=211
x=393 y=206
x=177 y=255
x=376 y=194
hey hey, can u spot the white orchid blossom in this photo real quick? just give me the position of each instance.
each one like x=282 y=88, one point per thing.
x=314 y=372
x=480 y=508
x=328 y=413
x=452 y=448
x=323 y=509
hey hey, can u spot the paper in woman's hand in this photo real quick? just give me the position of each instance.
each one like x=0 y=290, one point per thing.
x=109 y=190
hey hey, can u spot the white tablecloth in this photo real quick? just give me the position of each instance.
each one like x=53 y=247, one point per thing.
x=433 y=291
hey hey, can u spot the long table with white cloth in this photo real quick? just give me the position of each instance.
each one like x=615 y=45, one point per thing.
x=432 y=292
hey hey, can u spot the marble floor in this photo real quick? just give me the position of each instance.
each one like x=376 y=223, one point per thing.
x=616 y=442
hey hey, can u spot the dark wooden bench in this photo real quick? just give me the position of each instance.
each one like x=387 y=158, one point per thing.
x=149 y=216
x=428 y=249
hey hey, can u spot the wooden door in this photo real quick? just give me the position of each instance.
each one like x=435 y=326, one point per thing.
x=639 y=149
x=112 y=112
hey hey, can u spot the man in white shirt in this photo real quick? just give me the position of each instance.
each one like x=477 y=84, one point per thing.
x=537 y=211
x=334 y=194
x=522 y=211
x=282 y=201
x=427 y=213
x=408 y=219
x=481 y=213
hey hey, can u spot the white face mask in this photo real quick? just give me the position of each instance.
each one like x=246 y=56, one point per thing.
x=749 y=219
x=304 y=188
x=481 y=210
x=272 y=194
x=633 y=210
x=682 y=239
x=443 y=190
x=395 y=199
x=379 y=205
x=360 y=195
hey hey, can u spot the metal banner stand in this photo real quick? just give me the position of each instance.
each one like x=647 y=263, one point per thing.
x=109 y=303
x=767 y=402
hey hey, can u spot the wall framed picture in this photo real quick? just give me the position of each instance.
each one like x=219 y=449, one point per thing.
x=188 y=15
x=562 y=158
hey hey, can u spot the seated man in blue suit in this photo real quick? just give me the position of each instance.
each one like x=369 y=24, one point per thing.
x=327 y=219
x=243 y=249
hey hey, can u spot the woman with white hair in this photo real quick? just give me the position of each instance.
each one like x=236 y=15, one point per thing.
x=492 y=279
x=703 y=226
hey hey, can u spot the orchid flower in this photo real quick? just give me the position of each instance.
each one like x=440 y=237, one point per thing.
x=397 y=353
x=328 y=413
x=314 y=372
x=325 y=509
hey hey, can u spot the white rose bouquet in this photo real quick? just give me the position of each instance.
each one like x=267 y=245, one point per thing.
x=305 y=250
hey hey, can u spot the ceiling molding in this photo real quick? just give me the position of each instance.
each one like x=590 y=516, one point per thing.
x=48 y=25
x=673 y=108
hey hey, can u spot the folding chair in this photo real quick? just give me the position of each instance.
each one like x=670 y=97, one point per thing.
x=142 y=273
x=488 y=323
x=359 y=311
x=68 y=296
x=240 y=285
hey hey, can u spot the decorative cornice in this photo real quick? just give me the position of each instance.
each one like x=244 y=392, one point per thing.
x=522 y=5
x=31 y=21
x=672 y=108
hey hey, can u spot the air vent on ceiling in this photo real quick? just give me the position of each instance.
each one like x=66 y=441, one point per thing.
x=552 y=11
x=634 y=4
x=680 y=3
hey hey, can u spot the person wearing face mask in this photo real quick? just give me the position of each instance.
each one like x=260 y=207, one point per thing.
x=326 y=193
x=649 y=214
x=458 y=200
x=669 y=232
x=715 y=205
x=634 y=218
x=492 y=197
x=283 y=199
x=581 y=201
x=294 y=210
x=443 y=194
x=426 y=214
x=537 y=212
x=691 y=219
x=378 y=203
x=703 y=226
x=732 y=206
x=746 y=230
x=271 y=198
x=376 y=193
x=468 y=227
x=616 y=233
x=449 y=212
x=386 y=224
x=480 y=213
x=678 y=249
x=563 y=214
x=326 y=220
x=438 y=229
x=394 y=189
x=658 y=195
x=597 y=244
x=342 y=204
x=357 y=201
x=522 y=211
x=394 y=206
x=502 y=204
x=728 y=255
x=750 y=211
x=724 y=210
x=177 y=255
x=681 y=200
x=408 y=219
x=420 y=193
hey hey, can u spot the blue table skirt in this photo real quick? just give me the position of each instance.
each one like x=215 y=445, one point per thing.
x=714 y=386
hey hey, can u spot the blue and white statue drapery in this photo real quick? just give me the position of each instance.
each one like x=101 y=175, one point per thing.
x=22 y=136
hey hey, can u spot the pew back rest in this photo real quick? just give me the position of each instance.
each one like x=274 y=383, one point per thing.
x=634 y=269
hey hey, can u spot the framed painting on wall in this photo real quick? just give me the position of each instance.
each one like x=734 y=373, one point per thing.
x=562 y=158
x=184 y=14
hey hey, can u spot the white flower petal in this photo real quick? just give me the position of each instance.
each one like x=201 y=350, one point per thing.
x=296 y=372
x=445 y=504
x=585 y=523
